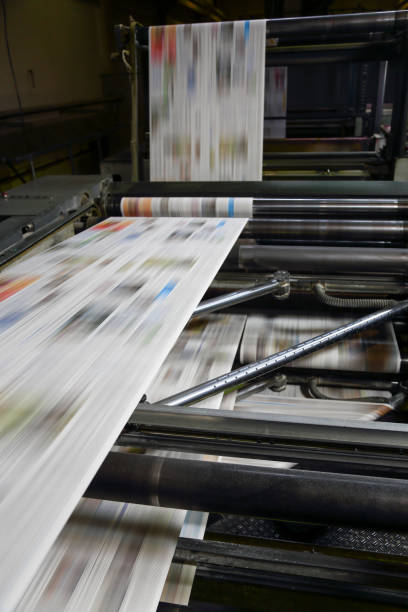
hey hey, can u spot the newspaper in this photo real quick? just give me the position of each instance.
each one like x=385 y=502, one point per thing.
x=203 y=351
x=206 y=349
x=292 y=403
x=207 y=101
x=113 y=556
x=373 y=350
x=186 y=207
x=85 y=327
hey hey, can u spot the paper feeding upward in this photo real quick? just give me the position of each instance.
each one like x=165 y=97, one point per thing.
x=87 y=325
x=207 y=101
x=186 y=207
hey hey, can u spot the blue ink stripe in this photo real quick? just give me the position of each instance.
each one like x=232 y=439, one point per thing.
x=230 y=207
x=165 y=291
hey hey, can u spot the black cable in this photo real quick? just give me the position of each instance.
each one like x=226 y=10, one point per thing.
x=313 y=388
x=10 y=60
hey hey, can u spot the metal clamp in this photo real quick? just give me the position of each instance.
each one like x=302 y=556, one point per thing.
x=283 y=278
x=279 y=286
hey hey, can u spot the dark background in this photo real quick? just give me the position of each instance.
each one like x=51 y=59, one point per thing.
x=64 y=94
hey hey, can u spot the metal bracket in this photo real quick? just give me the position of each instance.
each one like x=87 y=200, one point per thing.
x=279 y=286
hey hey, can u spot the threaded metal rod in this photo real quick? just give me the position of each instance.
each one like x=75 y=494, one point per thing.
x=265 y=366
x=279 y=284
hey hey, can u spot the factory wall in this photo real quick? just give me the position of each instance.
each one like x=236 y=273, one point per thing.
x=59 y=48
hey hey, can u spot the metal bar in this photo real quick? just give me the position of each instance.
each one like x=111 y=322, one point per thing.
x=363 y=156
x=317 y=117
x=134 y=138
x=352 y=166
x=270 y=559
x=384 y=21
x=325 y=25
x=332 y=206
x=209 y=552
x=284 y=494
x=279 y=285
x=382 y=79
x=397 y=139
x=308 y=456
x=306 y=570
x=265 y=366
x=332 y=53
x=263 y=207
x=316 y=259
x=266 y=189
x=307 y=229
x=234 y=278
x=263 y=426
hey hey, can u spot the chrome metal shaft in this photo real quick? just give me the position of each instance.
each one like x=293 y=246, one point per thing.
x=265 y=366
x=278 y=285
x=366 y=206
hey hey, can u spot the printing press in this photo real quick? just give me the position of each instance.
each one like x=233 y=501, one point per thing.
x=346 y=475
x=334 y=522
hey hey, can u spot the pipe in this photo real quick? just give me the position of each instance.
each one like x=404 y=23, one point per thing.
x=264 y=189
x=379 y=102
x=381 y=438
x=265 y=366
x=327 y=26
x=327 y=229
x=263 y=207
x=278 y=286
x=317 y=259
x=381 y=21
x=208 y=486
x=330 y=206
x=331 y=53
x=324 y=25
x=359 y=156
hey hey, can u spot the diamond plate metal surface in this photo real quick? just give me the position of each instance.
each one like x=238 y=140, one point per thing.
x=364 y=540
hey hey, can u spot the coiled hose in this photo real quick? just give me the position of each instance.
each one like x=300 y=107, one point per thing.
x=330 y=300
